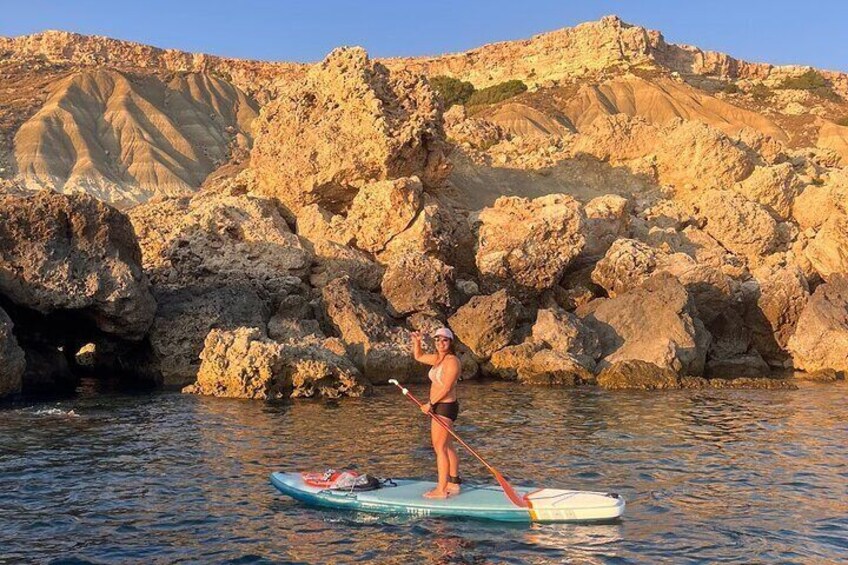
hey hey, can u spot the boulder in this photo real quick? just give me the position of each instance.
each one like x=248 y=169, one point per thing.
x=820 y=340
x=333 y=260
x=828 y=250
x=187 y=315
x=505 y=363
x=380 y=350
x=326 y=236
x=243 y=363
x=526 y=245
x=607 y=219
x=419 y=283
x=626 y=265
x=393 y=360
x=382 y=210
x=486 y=323
x=357 y=316
x=12 y=360
x=774 y=187
x=637 y=374
x=551 y=367
x=629 y=263
x=690 y=153
x=654 y=322
x=439 y=230
x=775 y=298
x=349 y=120
x=817 y=203
x=741 y=225
x=219 y=236
x=294 y=320
x=564 y=333
x=760 y=146
x=74 y=253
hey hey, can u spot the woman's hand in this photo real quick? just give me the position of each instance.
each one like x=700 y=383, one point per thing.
x=426 y=408
x=416 y=338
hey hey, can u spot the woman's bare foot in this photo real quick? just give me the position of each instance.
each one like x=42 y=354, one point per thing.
x=437 y=493
x=453 y=489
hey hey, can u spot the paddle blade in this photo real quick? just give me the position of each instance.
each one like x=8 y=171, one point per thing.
x=510 y=493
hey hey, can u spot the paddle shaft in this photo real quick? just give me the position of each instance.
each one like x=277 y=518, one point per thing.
x=507 y=488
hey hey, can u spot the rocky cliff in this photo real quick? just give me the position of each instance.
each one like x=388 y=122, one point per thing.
x=644 y=215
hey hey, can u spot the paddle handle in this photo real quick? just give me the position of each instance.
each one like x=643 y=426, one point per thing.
x=507 y=488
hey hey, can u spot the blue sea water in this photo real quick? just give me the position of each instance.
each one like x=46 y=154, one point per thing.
x=710 y=476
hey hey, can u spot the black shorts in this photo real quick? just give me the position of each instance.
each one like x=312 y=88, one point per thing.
x=446 y=409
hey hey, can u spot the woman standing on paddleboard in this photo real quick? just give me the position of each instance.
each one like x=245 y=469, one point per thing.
x=443 y=404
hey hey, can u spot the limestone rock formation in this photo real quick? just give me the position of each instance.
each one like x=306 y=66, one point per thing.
x=637 y=374
x=820 y=340
x=325 y=235
x=654 y=322
x=243 y=363
x=220 y=259
x=774 y=187
x=629 y=263
x=486 y=323
x=534 y=363
x=382 y=210
x=607 y=220
x=565 y=333
x=222 y=236
x=828 y=251
x=12 y=361
x=359 y=318
x=185 y=317
x=695 y=154
x=817 y=203
x=439 y=230
x=741 y=225
x=419 y=283
x=552 y=367
x=73 y=253
x=348 y=121
x=778 y=297
x=526 y=245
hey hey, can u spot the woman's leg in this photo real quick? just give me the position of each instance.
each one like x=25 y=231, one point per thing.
x=453 y=463
x=440 y=438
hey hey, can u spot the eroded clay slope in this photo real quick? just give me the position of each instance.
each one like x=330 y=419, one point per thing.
x=124 y=139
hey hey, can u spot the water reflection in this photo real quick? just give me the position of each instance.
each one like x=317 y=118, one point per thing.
x=709 y=476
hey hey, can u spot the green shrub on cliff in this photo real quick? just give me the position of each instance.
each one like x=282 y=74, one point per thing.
x=452 y=90
x=813 y=82
x=760 y=92
x=497 y=93
x=810 y=80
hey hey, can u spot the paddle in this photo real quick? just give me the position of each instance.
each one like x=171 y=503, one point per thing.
x=507 y=488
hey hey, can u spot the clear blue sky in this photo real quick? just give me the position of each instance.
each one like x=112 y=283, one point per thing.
x=780 y=31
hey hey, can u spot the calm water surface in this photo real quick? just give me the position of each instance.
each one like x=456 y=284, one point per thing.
x=710 y=477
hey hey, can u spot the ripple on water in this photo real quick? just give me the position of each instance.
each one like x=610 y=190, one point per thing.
x=710 y=476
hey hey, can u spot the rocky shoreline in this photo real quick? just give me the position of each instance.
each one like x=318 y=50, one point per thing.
x=304 y=274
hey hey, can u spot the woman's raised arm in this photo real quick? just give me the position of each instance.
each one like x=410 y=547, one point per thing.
x=418 y=353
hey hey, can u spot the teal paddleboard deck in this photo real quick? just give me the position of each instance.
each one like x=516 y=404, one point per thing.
x=478 y=502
